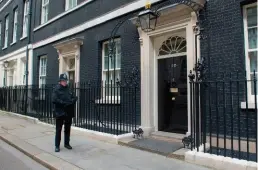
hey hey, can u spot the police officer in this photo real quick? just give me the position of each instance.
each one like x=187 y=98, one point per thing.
x=64 y=102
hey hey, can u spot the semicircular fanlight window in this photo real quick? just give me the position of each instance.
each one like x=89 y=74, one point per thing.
x=173 y=45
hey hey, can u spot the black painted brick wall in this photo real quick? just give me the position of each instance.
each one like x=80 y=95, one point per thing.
x=91 y=51
x=224 y=53
x=90 y=11
x=8 y=10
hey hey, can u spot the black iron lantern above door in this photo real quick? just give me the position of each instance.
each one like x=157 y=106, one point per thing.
x=148 y=19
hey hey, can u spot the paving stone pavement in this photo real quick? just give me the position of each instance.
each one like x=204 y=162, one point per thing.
x=87 y=153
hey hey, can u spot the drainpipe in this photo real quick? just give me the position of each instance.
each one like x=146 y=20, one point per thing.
x=27 y=54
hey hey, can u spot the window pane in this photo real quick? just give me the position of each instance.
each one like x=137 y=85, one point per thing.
x=43 y=66
x=6 y=23
x=111 y=62
x=252 y=38
x=25 y=18
x=15 y=25
x=105 y=49
x=70 y=3
x=252 y=16
x=6 y=31
x=108 y=76
x=74 y=3
x=111 y=78
x=45 y=1
x=118 y=55
x=253 y=61
x=111 y=88
x=106 y=63
x=46 y=14
x=118 y=61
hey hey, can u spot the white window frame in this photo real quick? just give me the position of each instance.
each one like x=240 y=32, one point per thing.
x=115 y=98
x=15 y=25
x=25 y=19
x=44 y=74
x=44 y=11
x=251 y=98
x=68 y=6
x=6 y=32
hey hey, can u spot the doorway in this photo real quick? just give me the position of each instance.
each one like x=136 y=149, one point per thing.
x=172 y=86
x=172 y=83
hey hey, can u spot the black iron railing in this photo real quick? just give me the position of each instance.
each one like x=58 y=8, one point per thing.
x=224 y=116
x=109 y=108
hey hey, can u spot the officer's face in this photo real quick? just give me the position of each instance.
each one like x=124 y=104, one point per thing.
x=63 y=83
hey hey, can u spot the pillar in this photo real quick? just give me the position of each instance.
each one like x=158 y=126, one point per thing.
x=147 y=98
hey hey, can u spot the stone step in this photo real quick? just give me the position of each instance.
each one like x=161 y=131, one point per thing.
x=168 y=147
x=167 y=136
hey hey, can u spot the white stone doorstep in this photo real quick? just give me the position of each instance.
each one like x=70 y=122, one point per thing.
x=219 y=162
x=93 y=134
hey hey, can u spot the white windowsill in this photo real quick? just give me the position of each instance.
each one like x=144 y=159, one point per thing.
x=13 y=43
x=107 y=101
x=251 y=105
x=4 y=48
x=62 y=14
x=23 y=37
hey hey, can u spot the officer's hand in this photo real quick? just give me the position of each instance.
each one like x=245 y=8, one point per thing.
x=74 y=100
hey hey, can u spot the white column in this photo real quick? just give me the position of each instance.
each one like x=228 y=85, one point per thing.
x=190 y=38
x=147 y=98
x=30 y=67
x=61 y=62
x=15 y=73
x=19 y=72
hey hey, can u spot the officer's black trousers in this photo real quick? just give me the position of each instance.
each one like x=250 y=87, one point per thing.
x=67 y=121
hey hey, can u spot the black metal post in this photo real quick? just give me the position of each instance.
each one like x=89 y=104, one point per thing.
x=27 y=56
x=255 y=103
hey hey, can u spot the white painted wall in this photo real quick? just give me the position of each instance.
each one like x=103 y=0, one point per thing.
x=17 y=60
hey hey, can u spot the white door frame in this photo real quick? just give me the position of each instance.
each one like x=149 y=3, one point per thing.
x=149 y=100
x=181 y=32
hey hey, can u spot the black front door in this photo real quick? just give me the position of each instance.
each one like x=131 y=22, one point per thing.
x=172 y=98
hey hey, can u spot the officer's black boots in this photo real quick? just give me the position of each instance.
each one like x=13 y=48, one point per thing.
x=68 y=146
x=57 y=149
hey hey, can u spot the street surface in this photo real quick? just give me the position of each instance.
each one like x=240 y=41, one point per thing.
x=12 y=159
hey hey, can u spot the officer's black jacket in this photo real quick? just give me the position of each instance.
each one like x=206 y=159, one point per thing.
x=64 y=101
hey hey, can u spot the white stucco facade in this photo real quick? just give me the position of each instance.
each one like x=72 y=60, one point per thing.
x=14 y=74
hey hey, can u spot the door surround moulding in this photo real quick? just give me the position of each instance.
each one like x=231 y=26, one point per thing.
x=149 y=115
x=70 y=48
